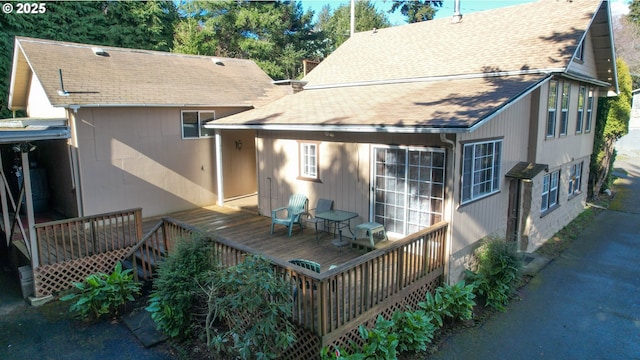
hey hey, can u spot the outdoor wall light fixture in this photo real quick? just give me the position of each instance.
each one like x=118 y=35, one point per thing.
x=238 y=145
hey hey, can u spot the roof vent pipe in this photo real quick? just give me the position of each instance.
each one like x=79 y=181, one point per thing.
x=457 y=16
x=99 y=51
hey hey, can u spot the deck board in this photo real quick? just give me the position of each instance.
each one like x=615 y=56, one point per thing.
x=254 y=231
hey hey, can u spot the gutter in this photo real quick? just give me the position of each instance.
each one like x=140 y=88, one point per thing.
x=13 y=136
x=584 y=79
x=341 y=128
x=75 y=107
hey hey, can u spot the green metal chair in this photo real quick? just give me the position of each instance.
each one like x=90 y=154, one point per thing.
x=307 y=264
x=290 y=215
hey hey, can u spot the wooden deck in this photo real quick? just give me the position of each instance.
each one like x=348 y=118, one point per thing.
x=252 y=230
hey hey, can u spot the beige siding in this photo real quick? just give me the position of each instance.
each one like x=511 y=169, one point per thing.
x=344 y=168
x=586 y=66
x=39 y=105
x=488 y=216
x=559 y=150
x=134 y=157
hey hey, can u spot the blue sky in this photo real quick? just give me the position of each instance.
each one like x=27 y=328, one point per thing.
x=466 y=6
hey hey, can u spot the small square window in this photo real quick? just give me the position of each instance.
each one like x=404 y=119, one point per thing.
x=193 y=124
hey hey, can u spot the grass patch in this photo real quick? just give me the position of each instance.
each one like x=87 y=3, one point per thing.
x=559 y=242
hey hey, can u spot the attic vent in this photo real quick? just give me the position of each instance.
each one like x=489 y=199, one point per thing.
x=217 y=61
x=99 y=51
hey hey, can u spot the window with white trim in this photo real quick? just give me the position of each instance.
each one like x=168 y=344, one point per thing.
x=575 y=176
x=193 y=123
x=550 y=190
x=552 y=105
x=481 y=169
x=309 y=160
x=587 y=124
x=564 y=115
x=580 y=119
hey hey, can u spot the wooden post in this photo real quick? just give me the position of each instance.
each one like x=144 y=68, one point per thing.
x=5 y=207
x=33 y=243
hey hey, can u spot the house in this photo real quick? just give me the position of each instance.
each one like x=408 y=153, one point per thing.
x=109 y=129
x=485 y=123
x=134 y=118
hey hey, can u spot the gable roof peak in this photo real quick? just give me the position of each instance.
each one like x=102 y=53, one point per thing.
x=531 y=36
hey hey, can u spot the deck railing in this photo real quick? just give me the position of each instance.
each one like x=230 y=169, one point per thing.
x=155 y=246
x=326 y=302
x=72 y=239
x=351 y=290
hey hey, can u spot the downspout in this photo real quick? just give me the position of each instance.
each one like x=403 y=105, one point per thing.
x=218 y=147
x=450 y=186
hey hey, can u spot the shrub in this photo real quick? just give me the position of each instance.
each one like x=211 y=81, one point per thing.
x=381 y=342
x=450 y=301
x=101 y=294
x=415 y=329
x=176 y=288
x=256 y=304
x=498 y=272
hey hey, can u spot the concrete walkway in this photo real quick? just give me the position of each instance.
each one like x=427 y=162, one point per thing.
x=583 y=305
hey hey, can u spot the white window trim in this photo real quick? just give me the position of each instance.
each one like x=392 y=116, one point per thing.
x=581 y=105
x=200 y=124
x=548 y=181
x=495 y=168
x=575 y=179
x=309 y=165
x=589 y=119
x=552 y=110
x=564 y=111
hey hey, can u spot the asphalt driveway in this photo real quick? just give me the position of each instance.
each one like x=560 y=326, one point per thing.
x=584 y=304
x=48 y=332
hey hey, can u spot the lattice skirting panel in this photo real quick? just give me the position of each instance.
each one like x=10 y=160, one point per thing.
x=49 y=279
x=307 y=346
x=352 y=336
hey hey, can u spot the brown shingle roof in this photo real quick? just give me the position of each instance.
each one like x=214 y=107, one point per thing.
x=143 y=78
x=434 y=75
x=538 y=35
x=455 y=103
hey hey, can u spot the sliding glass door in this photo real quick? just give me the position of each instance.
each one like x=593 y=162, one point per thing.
x=408 y=185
